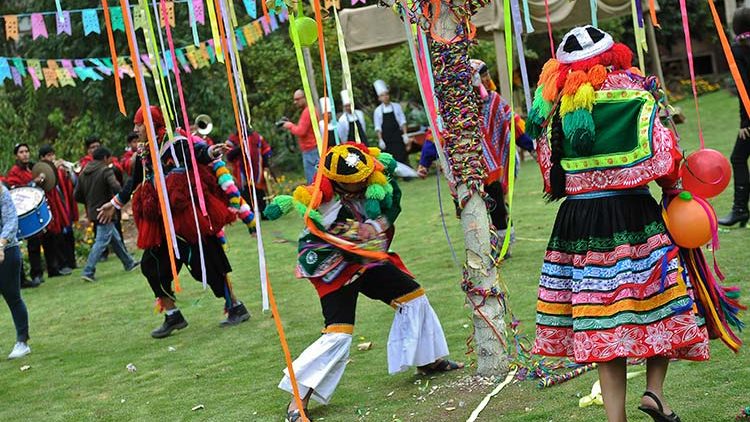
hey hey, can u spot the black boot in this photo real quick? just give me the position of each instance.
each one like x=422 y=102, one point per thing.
x=171 y=322
x=739 y=213
x=235 y=315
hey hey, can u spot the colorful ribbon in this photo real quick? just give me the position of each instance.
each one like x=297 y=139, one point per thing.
x=741 y=88
x=517 y=28
x=167 y=221
x=113 y=52
x=511 y=175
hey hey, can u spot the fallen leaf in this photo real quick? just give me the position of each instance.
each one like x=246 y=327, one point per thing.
x=25 y=368
x=198 y=407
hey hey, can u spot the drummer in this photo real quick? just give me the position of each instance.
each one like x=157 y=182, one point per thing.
x=20 y=175
x=64 y=213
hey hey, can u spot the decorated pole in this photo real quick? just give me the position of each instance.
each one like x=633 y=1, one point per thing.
x=451 y=32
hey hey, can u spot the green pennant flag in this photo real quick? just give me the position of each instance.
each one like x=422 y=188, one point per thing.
x=115 y=16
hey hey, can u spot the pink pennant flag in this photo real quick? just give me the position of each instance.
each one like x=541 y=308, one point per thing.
x=146 y=60
x=198 y=9
x=63 y=23
x=266 y=27
x=68 y=65
x=16 y=76
x=34 y=78
x=354 y=2
x=38 y=29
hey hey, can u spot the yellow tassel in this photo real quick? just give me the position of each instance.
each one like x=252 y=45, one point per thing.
x=584 y=97
x=374 y=151
x=222 y=171
x=378 y=177
x=566 y=105
x=302 y=195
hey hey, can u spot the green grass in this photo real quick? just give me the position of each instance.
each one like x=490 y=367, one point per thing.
x=83 y=335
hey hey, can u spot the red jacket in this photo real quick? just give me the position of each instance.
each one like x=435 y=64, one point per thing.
x=303 y=130
x=19 y=176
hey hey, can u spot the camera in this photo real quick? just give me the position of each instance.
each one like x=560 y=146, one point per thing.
x=279 y=123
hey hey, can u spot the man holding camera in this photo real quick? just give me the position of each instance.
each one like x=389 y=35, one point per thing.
x=303 y=130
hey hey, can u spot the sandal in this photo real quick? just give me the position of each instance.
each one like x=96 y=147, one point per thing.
x=296 y=416
x=658 y=415
x=440 y=365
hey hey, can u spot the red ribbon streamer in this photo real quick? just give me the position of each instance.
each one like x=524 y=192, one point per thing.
x=549 y=28
x=689 y=48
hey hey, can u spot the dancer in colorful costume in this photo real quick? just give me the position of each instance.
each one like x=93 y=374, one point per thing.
x=155 y=264
x=611 y=287
x=343 y=253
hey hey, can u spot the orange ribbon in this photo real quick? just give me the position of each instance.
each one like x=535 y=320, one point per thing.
x=132 y=45
x=652 y=12
x=741 y=90
x=113 y=52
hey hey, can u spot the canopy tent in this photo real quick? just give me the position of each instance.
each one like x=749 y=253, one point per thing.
x=360 y=34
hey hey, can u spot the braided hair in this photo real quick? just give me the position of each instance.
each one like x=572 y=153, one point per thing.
x=556 y=173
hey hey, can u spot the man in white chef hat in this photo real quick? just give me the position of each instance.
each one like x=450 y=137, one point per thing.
x=351 y=121
x=390 y=124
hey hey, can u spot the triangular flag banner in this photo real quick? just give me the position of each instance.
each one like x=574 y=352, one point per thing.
x=18 y=64
x=90 y=22
x=16 y=76
x=203 y=56
x=101 y=67
x=180 y=53
x=34 y=78
x=146 y=60
x=283 y=15
x=64 y=77
x=167 y=62
x=4 y=70
x=241 y=42
x=247 y=30
x=63 y=23
x=257 y=29
x=327 y=4
x=38 y=29
x=200 y=12
x=33 y=64
x=52 y=64
x=252 y=10
x=11 y=27
x=191 y=56
x=50 y=77
x=274 y=22
x=115 y=16
x=84 y=72
x=170 y=14
x=68 y=65
x=265 y=25
x=139 y=17
x=211 y=51
x=124 y=68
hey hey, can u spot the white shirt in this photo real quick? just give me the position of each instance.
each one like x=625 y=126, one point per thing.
x=347 y=118
x=377 y=116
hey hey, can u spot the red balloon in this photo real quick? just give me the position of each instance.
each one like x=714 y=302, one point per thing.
x=705 y=173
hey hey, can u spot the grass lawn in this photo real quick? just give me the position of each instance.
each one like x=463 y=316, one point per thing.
x=84 y=335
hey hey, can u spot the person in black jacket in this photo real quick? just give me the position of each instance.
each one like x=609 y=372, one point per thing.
x=96 y=185
x=741 y=152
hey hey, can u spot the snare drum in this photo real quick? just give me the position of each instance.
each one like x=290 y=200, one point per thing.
x=32 y=209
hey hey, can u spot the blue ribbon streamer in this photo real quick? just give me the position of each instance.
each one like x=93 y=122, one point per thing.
x=594 y=7
x=527 y=17
x=517 y=26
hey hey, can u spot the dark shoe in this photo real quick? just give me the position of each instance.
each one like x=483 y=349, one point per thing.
x=38 y=280
x=171 y=322
x=658 y=414
x=296 y=416
x=88 y=278
x=66 y=271
x=440 y=365
x=26 y=284
x=737 y=215
x=134 y=266
x=237 y=314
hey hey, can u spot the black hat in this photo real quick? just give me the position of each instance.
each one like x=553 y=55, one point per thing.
x=18 y=146
x=45 y=149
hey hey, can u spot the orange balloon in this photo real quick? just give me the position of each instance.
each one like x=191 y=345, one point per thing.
x=688 y=222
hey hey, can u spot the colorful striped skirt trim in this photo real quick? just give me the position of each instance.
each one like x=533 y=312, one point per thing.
x=611 y=285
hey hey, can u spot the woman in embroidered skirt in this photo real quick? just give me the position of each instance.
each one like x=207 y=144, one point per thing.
x=610 y=287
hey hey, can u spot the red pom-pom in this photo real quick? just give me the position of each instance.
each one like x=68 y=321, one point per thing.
x=622 y=57
x=326 y=189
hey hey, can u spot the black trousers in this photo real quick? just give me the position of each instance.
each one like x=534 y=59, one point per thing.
x=740 y=155
x=247 y=195
x=384 y=283
x=68 y=249
x=157 y=270
x=34 y=246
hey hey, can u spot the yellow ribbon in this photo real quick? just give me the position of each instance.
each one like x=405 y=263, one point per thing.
x=159 y=82
x=214 y=30
x=305 y=82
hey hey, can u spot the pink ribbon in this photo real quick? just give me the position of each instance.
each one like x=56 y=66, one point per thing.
x=689 y=49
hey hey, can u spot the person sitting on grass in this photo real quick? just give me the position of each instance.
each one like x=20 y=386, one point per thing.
x=343 y=252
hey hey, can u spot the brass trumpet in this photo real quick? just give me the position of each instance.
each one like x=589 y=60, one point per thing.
x=70 y=167
x=204 y=125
